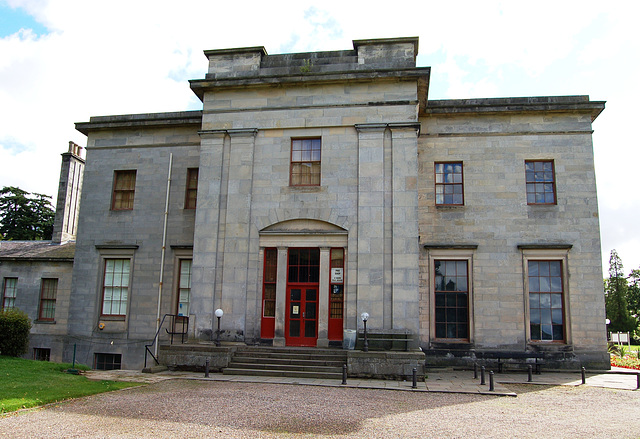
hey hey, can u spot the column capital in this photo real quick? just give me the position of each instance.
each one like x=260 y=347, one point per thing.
x=370 y=127
x=212 y=134
x=243 y=132
x=405 y=126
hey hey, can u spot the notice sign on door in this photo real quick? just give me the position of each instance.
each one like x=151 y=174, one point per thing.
x=336 y=275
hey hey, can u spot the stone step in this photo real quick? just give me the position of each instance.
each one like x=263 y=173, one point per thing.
x=311 y=353
x=286 y=367
x=283 y=356
x=287 y=362
x=282 y=373
x=291 y=361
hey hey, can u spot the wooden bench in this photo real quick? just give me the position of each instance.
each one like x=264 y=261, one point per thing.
x=502 y=357
x=385 y=340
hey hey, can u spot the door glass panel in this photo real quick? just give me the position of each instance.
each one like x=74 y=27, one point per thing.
x=310 y=295
x=310 y=328
x=294 y=328
x=295 y=294
x=310 y=312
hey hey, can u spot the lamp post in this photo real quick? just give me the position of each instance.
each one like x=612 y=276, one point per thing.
x=365 y=317
x=607 y=322
x=219 y=314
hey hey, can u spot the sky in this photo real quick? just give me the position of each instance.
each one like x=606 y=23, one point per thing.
x=63 y=61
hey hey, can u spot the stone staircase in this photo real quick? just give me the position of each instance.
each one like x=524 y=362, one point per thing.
x=287 y=362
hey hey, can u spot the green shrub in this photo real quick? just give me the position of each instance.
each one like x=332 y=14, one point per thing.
x=14 y=332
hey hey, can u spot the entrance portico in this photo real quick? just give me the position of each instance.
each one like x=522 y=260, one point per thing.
x=303 y=313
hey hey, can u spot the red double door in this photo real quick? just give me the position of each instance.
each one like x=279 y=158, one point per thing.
x=301 y=324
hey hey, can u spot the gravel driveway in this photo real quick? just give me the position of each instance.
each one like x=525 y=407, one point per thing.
x=205 y=409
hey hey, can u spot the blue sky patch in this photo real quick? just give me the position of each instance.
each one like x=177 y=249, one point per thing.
x=12 y=20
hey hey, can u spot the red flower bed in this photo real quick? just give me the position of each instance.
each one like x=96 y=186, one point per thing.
x=627 y=362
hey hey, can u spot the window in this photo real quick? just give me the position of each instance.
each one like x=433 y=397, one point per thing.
x=192 y=188
x=451 y=299
x=336 y=298
x=305 y=162
x=449 y=184
x=48 y=292
x=107 y=361
x=304 y=265
x=124 y=186
x=9 y=292
x=541 y=186
x=115 y=292
x=184 y=287
x=269 y=282
x=42 y=354
x=546 y=311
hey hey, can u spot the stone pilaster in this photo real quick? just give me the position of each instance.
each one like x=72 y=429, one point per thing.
x=323 y=298
x=205 y=249
x=405 y=283
x=370 y=272
x=237 y=229
x=281 y=297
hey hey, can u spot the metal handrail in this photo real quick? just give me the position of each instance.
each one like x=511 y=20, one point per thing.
x=185 y=331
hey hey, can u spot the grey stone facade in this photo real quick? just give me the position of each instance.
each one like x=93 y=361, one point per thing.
x=380 y=139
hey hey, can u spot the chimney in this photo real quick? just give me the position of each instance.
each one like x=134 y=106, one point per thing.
x=69 y=191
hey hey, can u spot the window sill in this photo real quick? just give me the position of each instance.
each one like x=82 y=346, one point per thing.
x=113 y=318
x=304 y=189
x=44 y=322
x=449 y=206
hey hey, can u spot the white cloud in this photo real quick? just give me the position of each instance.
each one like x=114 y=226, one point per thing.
x=117 y=56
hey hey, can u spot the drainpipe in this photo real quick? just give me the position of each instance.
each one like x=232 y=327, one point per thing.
x=164 y=242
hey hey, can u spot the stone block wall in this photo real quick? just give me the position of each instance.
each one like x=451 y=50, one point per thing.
x=496 y=219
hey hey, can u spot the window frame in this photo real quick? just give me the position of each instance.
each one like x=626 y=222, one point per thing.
x=106 y=358
x=42 y=354
x=547 y=255
x=191 y=202
x=269 y=266
x=44 y=300
x=179 y=288
x=301 y=161
x=444 y=184
x=4 y=292
x=448 y=254
x=534 y=183
x=116 y=202
x=103 y=288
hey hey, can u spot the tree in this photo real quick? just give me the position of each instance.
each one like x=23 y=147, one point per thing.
x=633 y=293
x=25 y=216
x=615 y=288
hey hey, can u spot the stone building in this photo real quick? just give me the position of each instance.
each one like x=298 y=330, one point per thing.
x=317 y=186
x=36 y=275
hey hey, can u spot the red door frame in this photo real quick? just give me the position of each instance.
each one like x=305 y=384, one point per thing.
x=302 y=315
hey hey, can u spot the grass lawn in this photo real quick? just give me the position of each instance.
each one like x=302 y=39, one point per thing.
x=29 y=383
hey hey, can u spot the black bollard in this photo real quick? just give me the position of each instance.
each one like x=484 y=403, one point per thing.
x=584 y=376
x=638 y=379
x=415 y=379
x=475 y=371
x=491 y=388
x=482 y=382
x=344 y=374
x=529 y=373
x=206 y=368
